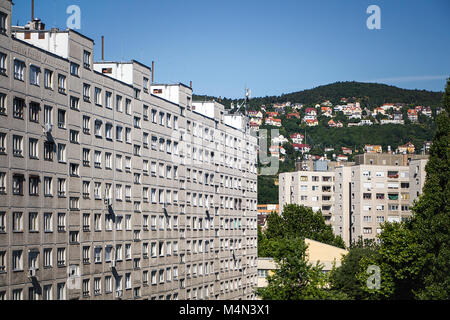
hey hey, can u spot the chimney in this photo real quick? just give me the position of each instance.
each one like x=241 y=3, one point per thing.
x=103 y=48
x=153 y=70
x=32 y=10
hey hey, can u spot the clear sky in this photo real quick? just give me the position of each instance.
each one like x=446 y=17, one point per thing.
x=272 y=47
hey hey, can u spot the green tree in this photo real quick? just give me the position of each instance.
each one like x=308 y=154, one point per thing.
x=295 y=278
x=414 y=256
x=343 y=279
x=298 y=222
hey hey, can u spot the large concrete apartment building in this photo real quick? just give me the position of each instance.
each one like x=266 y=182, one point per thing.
x=112 y=186
x=355 y=198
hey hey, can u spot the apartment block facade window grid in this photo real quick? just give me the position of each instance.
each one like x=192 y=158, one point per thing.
x=92 y=168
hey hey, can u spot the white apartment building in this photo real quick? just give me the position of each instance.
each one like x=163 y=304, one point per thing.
x=355 y=198
x=113 y=187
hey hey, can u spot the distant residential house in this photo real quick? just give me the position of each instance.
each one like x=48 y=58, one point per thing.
x=297 y=138
x=326 y=111
x=275 y=151
x=303 y=148
x=342 y=158
x=271 y=114
x=387 y=106
x=327 y=103
x=256 y=120
x=331 y=123
x=346 y=150
x=255 y=114
x=339 y=124
x=373 y=148
x=297 y=106
x=312 y=122
x=412 y=115
x=293 y=115
x=273 y=122
x=329 y=149
x=406 y=148
x=378 y=110
x=397 y=116
x=354 y=124
x=427 y=111
x=311 y=112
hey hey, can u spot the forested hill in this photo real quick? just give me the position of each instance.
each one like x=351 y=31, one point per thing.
x=369 y=94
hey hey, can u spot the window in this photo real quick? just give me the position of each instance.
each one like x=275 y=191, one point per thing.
x=35 y=108
x=61 y=221
x=97 y=254
x=19 y=70
x=17 y=223
x=3 y=58
x=128 y=135
x=48 y=222
x=18 y=108
x=2 y=103
x=118 y=103
x=61 y=153
x=61 y=291
x=86 y=124
x=61 y=187
x=3 y=143
x=128 y=106
x=75 y=103
x=61 y=119
x=3 y=22
x=108 y=98
x=74 y=68
x=145 y=84
x=34 y=75
x=18 y=184
x=33 y=222
x=108 y=131
x=17 y=261
x=86 y=59
x=97 y=159
x=98 y=128
x=48 y=79
x=61 y=83
x=61 y=257
x=47 y=292
x=2 y=222
x=108 y=284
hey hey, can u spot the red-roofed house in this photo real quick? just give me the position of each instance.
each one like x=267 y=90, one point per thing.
x=339 y=124
x=326 y=111
x=346 y=150
x=297 y=138
x=412 y=115
x=312 y=122
x=293 y=115
x=331 y=123
x=271 y=114
x=273 y=122
x=311 y=112
x=341 y=158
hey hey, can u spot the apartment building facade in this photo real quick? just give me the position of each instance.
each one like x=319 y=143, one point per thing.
x=378 y=188
x=355 y=198
x=314 y=189
x=113 y=187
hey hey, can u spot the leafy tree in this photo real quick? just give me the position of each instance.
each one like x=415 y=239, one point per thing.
x=296 y=278
x=414 y=256
x=343 y=278
x=298 y=222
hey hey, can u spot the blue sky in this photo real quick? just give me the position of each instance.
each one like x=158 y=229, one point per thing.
x=271 y=47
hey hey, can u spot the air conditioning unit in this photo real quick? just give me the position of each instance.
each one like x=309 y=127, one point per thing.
x=32 y=273
x=48 y=128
